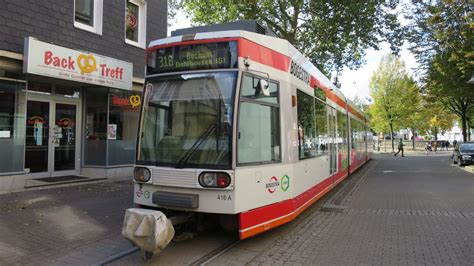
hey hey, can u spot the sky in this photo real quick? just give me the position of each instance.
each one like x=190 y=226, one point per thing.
x=353 y=82
x=356 y=82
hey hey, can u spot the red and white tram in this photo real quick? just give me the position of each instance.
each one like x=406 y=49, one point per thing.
x=241 y=125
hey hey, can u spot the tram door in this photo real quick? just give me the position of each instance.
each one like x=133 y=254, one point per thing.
x=332 y=140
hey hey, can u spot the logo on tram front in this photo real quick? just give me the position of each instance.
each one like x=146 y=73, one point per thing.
x=285 y=183
x=272 y=184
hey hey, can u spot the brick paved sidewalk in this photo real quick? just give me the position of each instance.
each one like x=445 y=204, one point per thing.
x=404 y=211
x=77 y=225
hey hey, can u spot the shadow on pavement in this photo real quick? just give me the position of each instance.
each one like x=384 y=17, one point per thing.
x=73 y=225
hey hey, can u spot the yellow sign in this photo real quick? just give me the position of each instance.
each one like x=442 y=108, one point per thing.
x=135 y=100
x=86 y=63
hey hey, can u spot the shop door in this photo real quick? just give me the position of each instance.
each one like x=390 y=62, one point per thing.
x=51 y=143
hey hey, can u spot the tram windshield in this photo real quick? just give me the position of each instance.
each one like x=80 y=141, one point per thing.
x=187 y=121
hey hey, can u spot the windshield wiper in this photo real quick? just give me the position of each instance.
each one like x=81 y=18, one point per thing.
x=198 y=142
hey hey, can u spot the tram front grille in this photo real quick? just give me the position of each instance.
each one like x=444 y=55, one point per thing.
x=179 y=200
x=175 y=178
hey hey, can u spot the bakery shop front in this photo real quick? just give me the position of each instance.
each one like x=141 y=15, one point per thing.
x=71 y=115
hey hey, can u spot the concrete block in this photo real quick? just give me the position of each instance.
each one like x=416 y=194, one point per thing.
x=12 y=183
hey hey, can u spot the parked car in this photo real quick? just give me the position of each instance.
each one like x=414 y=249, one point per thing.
x=463 y=153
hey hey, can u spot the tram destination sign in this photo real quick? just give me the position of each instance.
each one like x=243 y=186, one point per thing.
x=193 y=57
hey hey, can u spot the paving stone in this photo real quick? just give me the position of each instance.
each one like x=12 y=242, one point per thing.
x=419 y=214
x=67 y=234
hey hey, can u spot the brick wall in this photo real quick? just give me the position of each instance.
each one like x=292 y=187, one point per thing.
x=53 y=21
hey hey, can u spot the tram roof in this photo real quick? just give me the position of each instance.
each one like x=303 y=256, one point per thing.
x=279 y=45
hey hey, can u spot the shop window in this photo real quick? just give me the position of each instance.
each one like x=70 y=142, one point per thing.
x=12 y=126
x=111 y=126
x=124 y=109
x=67 y=92
x=95 y=146
x=7 y=110
x=43 y=88
x=135 y=23
x=259 y=123
x=88 y=15
x=123 y=115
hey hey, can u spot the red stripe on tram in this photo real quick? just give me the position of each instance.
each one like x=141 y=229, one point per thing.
x=267 y=217
x=263 y=55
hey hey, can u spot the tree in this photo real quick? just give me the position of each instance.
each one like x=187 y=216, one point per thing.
x=361 y=103
x=394 y=94
x=439 y=119
x=443 y=43
x=332 y=34
x=415 y=111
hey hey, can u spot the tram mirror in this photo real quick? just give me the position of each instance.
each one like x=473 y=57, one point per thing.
x=263 y=87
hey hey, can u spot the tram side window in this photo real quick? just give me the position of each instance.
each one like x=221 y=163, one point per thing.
x=321 y=123
x=357 y=134
x=353 y=133
x=307 y=145
x=342 y=138
x=259 y=123
x=341 y=130
x=312 y=126
x=361 y=136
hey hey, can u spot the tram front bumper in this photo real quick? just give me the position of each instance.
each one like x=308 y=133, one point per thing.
x=185 y=199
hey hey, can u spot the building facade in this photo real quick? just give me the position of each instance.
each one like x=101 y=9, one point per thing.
x=71 y=79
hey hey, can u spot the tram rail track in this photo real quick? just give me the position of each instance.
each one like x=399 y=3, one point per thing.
x=117 y=256
x=211 y=246
x=215 y=254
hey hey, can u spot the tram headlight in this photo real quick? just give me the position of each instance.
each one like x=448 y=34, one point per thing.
x=141 y=174
x=214 y=179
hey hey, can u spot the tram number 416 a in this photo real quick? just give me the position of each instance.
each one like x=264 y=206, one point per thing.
x=224 y=197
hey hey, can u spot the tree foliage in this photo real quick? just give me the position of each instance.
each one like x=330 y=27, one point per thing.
x=332 y=34
x=439 y=120
x=399 y=104
x=173 y=7
x=442 y=34
x=362 y=104
x=396 y=97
